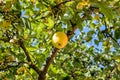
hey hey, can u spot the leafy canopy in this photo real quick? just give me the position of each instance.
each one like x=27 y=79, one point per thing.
x=27 y=27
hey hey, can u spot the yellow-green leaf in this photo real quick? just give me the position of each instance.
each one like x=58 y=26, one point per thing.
x=50 y=23
x=31 y=48
x=107 y=11
x=117 y=58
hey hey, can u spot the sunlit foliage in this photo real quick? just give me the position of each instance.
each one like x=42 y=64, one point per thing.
x=93 y=49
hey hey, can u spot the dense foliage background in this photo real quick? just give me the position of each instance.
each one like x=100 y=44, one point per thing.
x=93 y=29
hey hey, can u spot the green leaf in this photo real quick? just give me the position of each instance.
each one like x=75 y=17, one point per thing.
x=117 y=33
x=50 y=23
x=78 y=21
x=53 y=69
x=90 y=33
x=26 y=23
x=17 y=4
x=107 y=11
x=67 y=15
x=7 y=6
x=118 y=67
x=116 y=57
x=96 y=42
x=88 y=38
x=21 y=56
x=31 y=48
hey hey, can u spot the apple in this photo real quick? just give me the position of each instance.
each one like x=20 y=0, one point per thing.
x=59 y=40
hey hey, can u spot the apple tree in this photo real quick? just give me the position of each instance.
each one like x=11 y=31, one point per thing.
x=92 y=51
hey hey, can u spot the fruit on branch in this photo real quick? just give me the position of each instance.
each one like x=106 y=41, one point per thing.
x=59 y=40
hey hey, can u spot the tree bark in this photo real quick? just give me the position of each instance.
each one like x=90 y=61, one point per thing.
x=42 y=76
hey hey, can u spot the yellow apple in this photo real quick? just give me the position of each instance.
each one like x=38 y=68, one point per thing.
x=59 y=40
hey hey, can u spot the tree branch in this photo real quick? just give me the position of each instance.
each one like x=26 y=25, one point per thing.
x=107 y=34
x=61 y=3
x=11 y=66
x=49 y=60
x=4 y=39
x=31 y=64
x=25 y=50
x=74 y=27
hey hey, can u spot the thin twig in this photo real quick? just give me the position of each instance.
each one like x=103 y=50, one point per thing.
x=11 y=66
x=108 y=35
x=4 y=39
x=105 y=32
x=61 y=3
